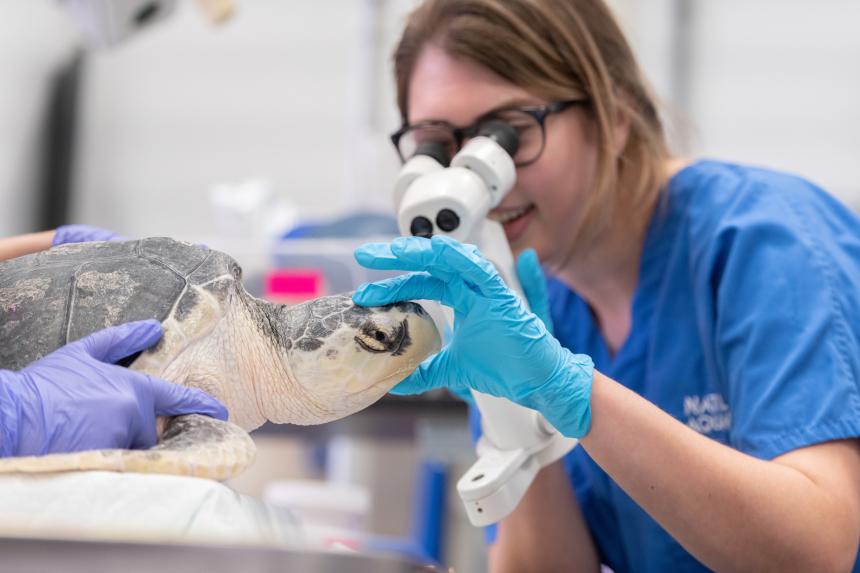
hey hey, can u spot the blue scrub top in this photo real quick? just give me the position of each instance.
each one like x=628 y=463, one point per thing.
x=745 y=327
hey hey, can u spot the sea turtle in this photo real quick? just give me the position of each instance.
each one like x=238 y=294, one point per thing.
x=304 y=364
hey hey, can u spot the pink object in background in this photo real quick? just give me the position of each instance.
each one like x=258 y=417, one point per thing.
x=291 y=286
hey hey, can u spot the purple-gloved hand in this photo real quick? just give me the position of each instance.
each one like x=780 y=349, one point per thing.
x=83 y=234
x=76 y=398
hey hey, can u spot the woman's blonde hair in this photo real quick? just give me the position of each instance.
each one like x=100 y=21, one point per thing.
x=556 y=50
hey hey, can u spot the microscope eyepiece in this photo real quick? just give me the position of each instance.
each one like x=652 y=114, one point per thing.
x=435 y=149
x=503 y=134
x=421 y=227
x=447 y=220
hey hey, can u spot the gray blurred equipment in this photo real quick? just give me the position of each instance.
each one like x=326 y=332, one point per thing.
x=106 y=23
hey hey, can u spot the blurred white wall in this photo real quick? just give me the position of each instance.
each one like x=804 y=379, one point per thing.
x=272 y=94
x=771 y=82
x=777 y=82
x=300 y=93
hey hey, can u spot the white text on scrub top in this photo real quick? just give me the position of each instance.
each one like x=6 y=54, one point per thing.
x=708 y=413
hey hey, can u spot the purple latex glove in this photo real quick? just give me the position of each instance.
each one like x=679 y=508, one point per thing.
x=83 y=234
x=76 y=399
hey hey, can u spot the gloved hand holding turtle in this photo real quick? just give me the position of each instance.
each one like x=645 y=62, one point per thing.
x=76 y=399
x=83 y=234
x=498 y=346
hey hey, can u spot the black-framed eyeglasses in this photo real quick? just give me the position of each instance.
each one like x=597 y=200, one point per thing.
x=529 y=121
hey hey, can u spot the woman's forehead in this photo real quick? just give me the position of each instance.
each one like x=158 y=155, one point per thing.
x=458 y=90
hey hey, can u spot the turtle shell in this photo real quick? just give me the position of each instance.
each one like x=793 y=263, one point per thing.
x=60 y=295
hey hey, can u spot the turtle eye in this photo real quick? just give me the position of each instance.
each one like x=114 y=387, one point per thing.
x=374 y=339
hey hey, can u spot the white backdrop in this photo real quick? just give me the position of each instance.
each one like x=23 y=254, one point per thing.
x=300 y=93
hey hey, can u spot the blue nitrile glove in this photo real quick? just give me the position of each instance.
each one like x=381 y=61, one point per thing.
x=83 y=234
x=498 y=346
x=76 y=399
x=533 y=283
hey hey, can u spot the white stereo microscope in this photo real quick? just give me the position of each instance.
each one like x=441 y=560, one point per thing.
x=434 y=198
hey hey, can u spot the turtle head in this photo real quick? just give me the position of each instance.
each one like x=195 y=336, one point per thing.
x=343 y=357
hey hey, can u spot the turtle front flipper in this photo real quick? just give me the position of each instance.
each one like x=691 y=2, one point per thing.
x=199 y=446
x=191 y=445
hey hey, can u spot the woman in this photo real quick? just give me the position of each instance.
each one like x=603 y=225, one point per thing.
x=707 y=316
x=76 y=398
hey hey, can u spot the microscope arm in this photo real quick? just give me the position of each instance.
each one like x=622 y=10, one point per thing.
x=516 y=441
x=454 y=201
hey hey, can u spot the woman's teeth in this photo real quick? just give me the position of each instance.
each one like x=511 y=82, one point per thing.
x=508 y=216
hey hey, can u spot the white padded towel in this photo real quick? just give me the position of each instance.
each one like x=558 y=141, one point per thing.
x=141 y=507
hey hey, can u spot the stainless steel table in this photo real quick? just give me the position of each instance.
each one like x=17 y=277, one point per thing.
x=24 y=555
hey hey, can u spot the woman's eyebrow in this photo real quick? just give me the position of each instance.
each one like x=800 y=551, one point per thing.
x=506 y=105
x=514 y=103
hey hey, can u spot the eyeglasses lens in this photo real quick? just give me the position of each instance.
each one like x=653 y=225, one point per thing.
x=529 y=130
x=420 y=134
x=527 y=126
